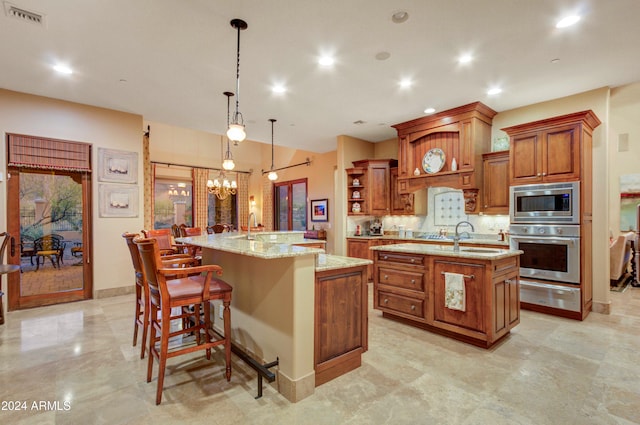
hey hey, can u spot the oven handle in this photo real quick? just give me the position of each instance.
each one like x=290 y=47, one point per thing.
x=550 y=240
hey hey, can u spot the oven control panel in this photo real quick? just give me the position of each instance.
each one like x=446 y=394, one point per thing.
x=545 y=230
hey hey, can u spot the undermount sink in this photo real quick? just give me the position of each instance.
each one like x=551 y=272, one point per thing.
x=482 y=250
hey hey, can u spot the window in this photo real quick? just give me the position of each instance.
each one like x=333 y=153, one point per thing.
x=173 y=203
x=290 y=205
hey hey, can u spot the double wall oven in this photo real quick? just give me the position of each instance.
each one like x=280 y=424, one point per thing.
x=545 y=225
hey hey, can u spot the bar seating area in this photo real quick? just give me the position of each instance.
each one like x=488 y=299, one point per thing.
x=173 y=296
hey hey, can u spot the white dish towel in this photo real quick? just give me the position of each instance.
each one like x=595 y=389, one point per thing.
x=454 y=294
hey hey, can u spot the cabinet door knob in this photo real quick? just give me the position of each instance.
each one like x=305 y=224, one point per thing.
x=413 y=281
x=539 y=174
x=508 y=281
x=413 y=260
x=486 y=206
x=544 y=174
x=386 y=276
x=413 y=307
x=386 y=300
x=385 y=257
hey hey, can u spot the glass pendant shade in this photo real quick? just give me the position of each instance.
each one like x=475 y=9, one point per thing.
x=273 y=176
x=228 y=164
x=236 y=132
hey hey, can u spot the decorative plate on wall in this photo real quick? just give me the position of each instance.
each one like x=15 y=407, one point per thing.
x=433 y=161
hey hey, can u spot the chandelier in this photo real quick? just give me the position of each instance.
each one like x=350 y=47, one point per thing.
x=235 y=129
x=222 y=187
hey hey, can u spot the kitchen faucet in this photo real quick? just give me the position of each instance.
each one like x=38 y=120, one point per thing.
x=456 y=237
x=255 y=224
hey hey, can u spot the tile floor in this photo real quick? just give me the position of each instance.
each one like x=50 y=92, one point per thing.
x=548 y=371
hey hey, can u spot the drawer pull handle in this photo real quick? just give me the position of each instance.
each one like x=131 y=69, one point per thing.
x=386 y=276
x=413 y=260
x=509 y=281
x=413 y=281
x=413 y=307
x=466 y=276
x=385 y=258
x=386 y=300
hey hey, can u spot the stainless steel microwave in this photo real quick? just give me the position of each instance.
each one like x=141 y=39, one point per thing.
x=550 y=203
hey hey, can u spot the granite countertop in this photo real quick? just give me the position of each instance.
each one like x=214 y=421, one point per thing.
x=475 y=240
x=332 y=262
x=447 y=251
x=237 y=243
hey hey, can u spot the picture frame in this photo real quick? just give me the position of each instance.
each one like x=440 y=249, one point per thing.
x=118 y=200
x=117 y=166
x=320 y=210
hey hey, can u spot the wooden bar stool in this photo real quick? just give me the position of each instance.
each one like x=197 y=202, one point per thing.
x=184 y=291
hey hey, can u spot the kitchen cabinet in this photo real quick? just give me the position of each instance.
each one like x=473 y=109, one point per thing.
x=551 y=150
x=463 y=133
x=373 y=191
x=341 y=326
x=401 y=204
x=359 y=248
x=495 y=193
x=410 y=287
x=400 y=285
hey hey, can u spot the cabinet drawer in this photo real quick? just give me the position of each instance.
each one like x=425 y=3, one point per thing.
x=401 y=279
x=398 y=303
x=400 y=258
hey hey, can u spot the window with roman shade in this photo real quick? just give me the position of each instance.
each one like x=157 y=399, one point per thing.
x=48 y=154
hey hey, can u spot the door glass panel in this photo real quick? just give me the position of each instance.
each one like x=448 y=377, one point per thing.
x=282 y=207
x=50 y=233
x=299 y=206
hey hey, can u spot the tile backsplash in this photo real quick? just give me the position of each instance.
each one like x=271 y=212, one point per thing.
x=442 y=213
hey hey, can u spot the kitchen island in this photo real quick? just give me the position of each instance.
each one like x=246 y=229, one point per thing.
x=410 y=286
x=292 y=303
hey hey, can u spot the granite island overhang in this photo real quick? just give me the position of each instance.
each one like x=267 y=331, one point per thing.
x=282 y=302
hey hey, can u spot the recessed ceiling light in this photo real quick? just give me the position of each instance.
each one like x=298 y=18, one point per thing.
x=405 y=83
x=494 y=91
x=429 y=110
x=383 y=56
x=465 y=58
x=63 y=69
x=567 y=21
x=278 y=88
x=556 y=60
x=400 y=16
x=326 y=61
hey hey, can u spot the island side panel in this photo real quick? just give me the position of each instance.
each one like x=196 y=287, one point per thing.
x=272 y=313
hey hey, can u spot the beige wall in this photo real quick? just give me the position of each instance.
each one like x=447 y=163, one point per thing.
x=624 y=113
x=40 y=116
x=598 y=101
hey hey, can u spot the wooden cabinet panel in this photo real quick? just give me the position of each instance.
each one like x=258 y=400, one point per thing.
x=562 y=154
x=379 y=183
x=474 y=315
x=359 y=248
x=526 y=159
x=341 y=334
x=401 y=279
x=506 y=298
x=496 y=183
x=387 y=301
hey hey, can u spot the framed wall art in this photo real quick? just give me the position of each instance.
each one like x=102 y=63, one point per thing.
x=117 y=166
x=320 y=210
x=118 y=200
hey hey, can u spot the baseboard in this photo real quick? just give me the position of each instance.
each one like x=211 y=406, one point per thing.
x=114 y=292
x=602 y=308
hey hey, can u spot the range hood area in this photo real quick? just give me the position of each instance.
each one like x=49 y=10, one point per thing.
x=461 y=135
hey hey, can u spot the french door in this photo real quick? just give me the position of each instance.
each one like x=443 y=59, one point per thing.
x=290 y=205
x=48 y=217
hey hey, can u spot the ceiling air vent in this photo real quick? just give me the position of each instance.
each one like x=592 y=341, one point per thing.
x=13 y=11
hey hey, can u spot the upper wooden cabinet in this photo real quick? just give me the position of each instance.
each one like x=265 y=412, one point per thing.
x=401 y=203
x=551 y=150
x=462 y=133
x=495 y=193
x=373 y=191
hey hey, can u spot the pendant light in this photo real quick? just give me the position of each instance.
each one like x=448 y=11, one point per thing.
x=228 y=163
x=235 y=130
x=273 y=176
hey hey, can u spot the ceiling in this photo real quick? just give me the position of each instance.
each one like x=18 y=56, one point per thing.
x=170 y=61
